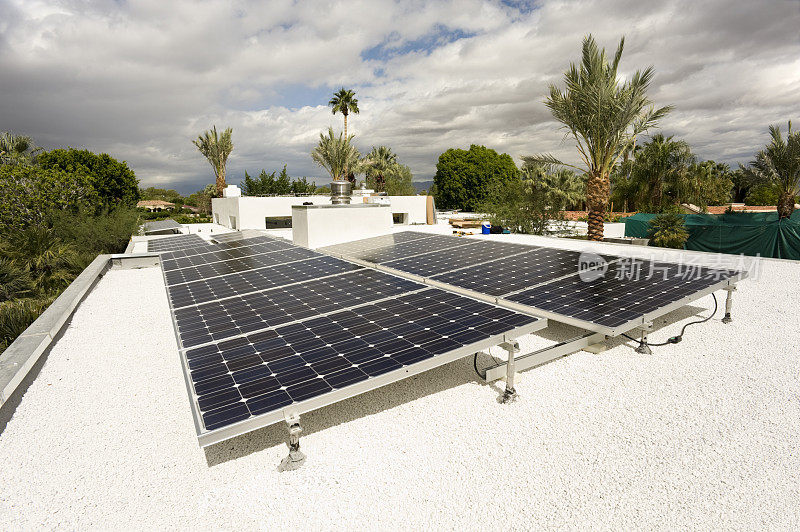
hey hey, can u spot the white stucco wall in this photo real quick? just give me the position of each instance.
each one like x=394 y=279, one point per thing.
x=250 y=212
x=314 y=226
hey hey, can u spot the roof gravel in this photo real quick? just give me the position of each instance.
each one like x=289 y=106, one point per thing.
x=702 y=434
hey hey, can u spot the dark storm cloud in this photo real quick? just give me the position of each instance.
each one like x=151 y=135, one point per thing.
x=141 y=79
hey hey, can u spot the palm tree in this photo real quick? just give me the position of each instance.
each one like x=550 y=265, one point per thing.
x=778 y=164
x=344 y=101
x=337 y=155
x=604 y=116
x=379 y=163
x=661 y=167
x=216 y=148
x=16 y=148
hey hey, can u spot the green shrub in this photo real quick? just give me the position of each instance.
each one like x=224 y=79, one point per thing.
x=15 y=282
x=51 y=263
x=765 y=194
x=668 y=231
x=17 y=315
x=107 y=232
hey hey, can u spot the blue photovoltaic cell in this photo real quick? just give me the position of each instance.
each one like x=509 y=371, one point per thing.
x=173 y=243
x=254 y=280
x=270 y=369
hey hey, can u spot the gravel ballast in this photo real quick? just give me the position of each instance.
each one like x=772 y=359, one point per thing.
x=702 y=434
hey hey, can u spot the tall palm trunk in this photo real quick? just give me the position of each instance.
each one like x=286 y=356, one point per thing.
x=597 y=194
x=220 y=181
x=345 y=124
x=785 y=205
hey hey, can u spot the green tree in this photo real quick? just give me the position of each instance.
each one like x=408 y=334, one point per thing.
x=778 y=164
x=216 y=148
x=344 y=101
x=399 y=181
x=659 y=173
x=604 y=116
x=283 y=183
x=29 y=193
x=742 y=184
x=529 y=204
x=464 y=177
x=765 y=194
x=17 y=149
x=708 y=183
x=303 y=186
x=379 y=162
x=163 y=194
x=113 y=181
x=337 y=155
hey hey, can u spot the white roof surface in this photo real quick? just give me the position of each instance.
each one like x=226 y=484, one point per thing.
x=702 y=434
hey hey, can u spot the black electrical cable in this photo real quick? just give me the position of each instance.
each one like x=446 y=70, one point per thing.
x=475 y=365
x=676 y=339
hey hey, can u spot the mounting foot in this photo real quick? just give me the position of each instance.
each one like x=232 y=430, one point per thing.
x=296 y=457
x=510 y=395
x=727 y=318
x=644 y=349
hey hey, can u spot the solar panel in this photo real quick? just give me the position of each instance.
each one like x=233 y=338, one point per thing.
x=368 y=250
x=540 y=280
x=524 y=270
x=471 y=254
x=213 y=269
x=310 y=330
x=220 y=252
x=254 y=280
x=264 y=372
x=217 y=320
x=161 y=225
x=237 y=236
x=624 y=297
x=369 y=244
x=172 y=243
x=251 y=246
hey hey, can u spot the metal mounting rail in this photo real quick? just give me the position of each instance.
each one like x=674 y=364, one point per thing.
x=546 y=354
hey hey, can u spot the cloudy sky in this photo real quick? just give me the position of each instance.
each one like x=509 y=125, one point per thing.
x=139 y=79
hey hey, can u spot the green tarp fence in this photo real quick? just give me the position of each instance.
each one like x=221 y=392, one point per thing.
x=753 y=234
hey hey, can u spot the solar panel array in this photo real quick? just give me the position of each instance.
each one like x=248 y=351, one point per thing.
x=544 y=280
x=173 y=243
x=265 y=324
x=236 y=235
x=161 y=225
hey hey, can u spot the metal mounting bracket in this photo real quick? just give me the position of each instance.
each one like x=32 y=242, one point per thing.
x=728 y=303
x=545 y=355
x=643 y=348
x=296 y=457
x=510 y=394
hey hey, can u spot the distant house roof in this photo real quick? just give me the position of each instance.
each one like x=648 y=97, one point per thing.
x=721 y=209
x=154 y=203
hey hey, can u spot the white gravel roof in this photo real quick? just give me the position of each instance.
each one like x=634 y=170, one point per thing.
x=703 y=434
